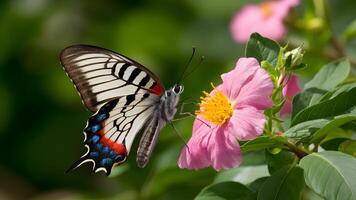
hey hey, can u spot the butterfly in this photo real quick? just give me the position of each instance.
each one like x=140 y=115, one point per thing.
x=126 y=98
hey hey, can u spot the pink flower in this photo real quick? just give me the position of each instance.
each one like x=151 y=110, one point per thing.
x=291 y=88
x=265 y=18
x=232 y=111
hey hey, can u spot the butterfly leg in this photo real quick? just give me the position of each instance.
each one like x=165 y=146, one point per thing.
x=182 y=114
x=185 y=115
x=180 y=135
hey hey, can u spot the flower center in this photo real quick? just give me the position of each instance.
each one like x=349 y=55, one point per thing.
x=266 y=9
x=215 y=107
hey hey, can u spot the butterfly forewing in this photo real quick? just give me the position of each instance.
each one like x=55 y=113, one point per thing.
x=101 y=75
x=122 y=93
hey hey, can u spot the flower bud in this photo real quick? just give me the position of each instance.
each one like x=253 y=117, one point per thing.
x=296 y=56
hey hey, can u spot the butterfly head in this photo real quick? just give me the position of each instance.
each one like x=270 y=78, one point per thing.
x=178 y=89
x=170 y=100
x=174 y=92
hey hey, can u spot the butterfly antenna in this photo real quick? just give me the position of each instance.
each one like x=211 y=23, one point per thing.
x=186 y=66
x=195 y=68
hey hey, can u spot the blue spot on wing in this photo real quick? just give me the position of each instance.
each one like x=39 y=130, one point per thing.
x=102 y=155
x=101 y=117
x=94 y=155
x=105 y=150
x=106 y=162
x=94 y=139
x=95 y=128
x=98 y=147
x=112 y=154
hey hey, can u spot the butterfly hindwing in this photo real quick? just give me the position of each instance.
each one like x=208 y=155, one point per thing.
x=101 y=75
x=110 y=132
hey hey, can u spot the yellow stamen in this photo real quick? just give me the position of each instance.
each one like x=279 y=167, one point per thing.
x=266 y=9
x=215 y=107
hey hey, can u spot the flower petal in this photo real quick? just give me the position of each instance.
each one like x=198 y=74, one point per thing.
x=246 y=123
x=292 y=87
x=257 y=92
x=251 y=18
x=248 y=84
x=224 y=150
x=289 y=91
x=236 y=78
x=194 y=155
x=286 y=108
x=240 y=25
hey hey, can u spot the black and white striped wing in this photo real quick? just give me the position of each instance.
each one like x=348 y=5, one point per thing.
x=101 y=75
x=110 y=132
x=122 y=93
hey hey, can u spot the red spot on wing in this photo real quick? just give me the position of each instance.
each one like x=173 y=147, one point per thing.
x=118 y=148
x=157 y=89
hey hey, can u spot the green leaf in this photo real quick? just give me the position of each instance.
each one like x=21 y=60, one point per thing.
x=339 y=105
x=334 y=138
x=325 y=80
x=315 y=130
x=349 y=147
x=258 y=183
x=242 y=174
x=332 y=124
x=271 y=70
x=263 y=142
x=303 y=99
x=330 y=75
x=277 y=161
x=331 y=174
x=305 y=129
x=262 y=49
x=332 y=145
x=338 y=133
x=320 y=127
x=341 y=89
x=286 y=183
x=226 y=191
x=309 y=194
x=254 y=158
x=162 y=180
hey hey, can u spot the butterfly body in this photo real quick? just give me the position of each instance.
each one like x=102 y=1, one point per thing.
x=163 y=113
x=125 y=98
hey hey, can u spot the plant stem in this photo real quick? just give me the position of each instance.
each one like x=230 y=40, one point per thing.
x=316 y=147
x=337 y=46
x=300 y=153
x=321 y=8
x=279 y=125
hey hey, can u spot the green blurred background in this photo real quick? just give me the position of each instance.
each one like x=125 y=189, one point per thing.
x=41 y=115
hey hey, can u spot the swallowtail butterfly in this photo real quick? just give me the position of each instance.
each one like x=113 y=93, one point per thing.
x=125 y=98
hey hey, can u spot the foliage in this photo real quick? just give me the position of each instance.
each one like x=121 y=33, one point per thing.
x=324 y=106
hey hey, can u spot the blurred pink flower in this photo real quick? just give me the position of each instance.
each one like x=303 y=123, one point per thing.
x=265 y=18
x=291 y=88
x=232 y=111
